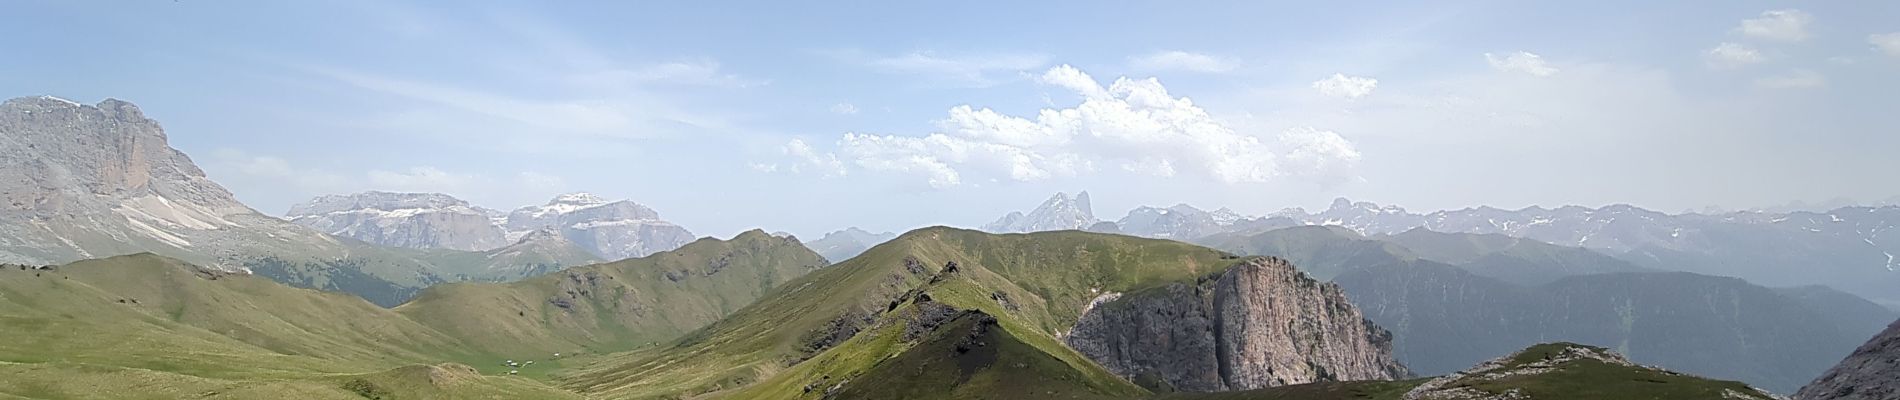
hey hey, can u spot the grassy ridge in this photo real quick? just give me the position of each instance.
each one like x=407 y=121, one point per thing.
x=112 y=328
x=1046 y=277
x=614 y=306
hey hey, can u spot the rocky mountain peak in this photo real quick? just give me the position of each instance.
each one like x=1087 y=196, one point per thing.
x=85 y=181
x=578 y=198
x=412 y=220
x=1059 y=212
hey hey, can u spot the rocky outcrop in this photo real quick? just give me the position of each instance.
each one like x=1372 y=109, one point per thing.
x=412 y=220
x=1260 y=324
x=1871 y=372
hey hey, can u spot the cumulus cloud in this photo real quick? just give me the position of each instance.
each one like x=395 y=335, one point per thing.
x=1886 y=43
x=1182 y=61
x=1525 y=62
x=1732 y=55
x=1351 y=87
x=806 y=159
x=1798 y=79
x=844 y=109
x=1779 y=25
x=1131 y=125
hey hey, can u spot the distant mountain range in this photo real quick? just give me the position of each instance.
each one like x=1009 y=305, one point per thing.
x=1461 y=298
x=1854 y=249
x=608 y=229
x=849 y=242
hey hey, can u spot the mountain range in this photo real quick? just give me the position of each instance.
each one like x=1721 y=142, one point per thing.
x=1466 y=297
x=608 y=229
x=1852 y=249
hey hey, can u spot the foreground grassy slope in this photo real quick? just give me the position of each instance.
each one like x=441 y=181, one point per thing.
x=144 y=326
x=614 y=306
x=126 y=327
x=1034 y=284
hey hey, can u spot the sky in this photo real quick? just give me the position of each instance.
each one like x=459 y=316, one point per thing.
x=808 y=118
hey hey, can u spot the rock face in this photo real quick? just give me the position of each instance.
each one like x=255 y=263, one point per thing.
x=1871 y=372
x=612 y=230
x=412 y=220
x=1260 y=324
x=90 y=181
x=1060 y=212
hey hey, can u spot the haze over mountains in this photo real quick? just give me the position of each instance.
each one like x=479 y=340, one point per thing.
x=609 y=229
x=127 y=264
x=1850 y=248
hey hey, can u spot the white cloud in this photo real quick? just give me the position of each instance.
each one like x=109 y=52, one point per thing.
x=1886 y=43
x=807 y=159
x=1133 y=124
x=1732 y=55
x=1798 y=79
x=844 y=109
x=1524 y=62
x=1351 y=87
x=1182 y=61
x=1780 y=25
x=972 y=70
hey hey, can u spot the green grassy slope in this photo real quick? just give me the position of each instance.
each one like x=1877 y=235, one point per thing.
x=145 y=326
x=1046 y=278
x=614 y=306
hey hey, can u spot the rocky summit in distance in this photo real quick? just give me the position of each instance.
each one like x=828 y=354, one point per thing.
x=1872 y=372
x=849 y=242
x=1259 y=324
x=1060 y=212
x=612 y=230
x=90 y=181
x=411 y=220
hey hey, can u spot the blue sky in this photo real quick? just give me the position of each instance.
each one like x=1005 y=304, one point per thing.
x=888 y=115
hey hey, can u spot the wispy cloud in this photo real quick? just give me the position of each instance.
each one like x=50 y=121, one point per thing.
x=695 y=72
x=1351 y=87
x=1524 y=62
x=1778 y=25
x=1732 y=55
x=965 y=69
x=1182 y=61
x=1886 y=43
